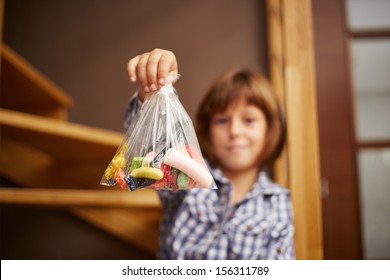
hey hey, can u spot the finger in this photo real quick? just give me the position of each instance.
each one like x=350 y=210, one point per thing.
x=131 y=68
x=167 y=66
x=141 y=71
x=151 y=69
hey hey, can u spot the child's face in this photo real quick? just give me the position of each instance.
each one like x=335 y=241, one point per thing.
x=238 y=136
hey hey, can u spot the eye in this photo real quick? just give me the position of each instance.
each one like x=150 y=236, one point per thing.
x=220 y=120
x=250 y=120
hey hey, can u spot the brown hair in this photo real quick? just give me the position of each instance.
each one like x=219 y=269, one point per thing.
x=230 y=87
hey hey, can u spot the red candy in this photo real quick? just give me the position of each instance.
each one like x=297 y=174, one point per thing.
x=194 y=154
x=168 y=181
x=159 y=185
x=166 y=169
x=120 y=179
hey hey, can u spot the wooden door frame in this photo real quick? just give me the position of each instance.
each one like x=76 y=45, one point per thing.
x=1 y=24
x=292 y=73
x=341 y=211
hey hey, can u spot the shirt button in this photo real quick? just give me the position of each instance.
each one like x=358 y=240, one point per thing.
x=249 y=227
x=199 y=213
x=279 y=250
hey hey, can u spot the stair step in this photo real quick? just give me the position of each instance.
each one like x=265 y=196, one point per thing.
x=24 y=88
x=75 y=197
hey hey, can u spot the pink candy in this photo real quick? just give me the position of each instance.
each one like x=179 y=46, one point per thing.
x=189 y=166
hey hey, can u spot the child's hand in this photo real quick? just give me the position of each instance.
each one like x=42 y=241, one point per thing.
x=151 y=69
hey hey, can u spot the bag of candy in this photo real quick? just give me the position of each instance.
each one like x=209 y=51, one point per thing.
x=160 y=149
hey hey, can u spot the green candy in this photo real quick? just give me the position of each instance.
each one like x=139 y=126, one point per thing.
x=182 y=180
x=136 y=163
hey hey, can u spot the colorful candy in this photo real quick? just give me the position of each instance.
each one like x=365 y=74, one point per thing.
x=182 y=180
x=172 y=169
x=119 y=177
x=137 y=183
x=146 y=162
x=196 y=155
x=190 y=167
x=116 y=163
x=147 y=172
x=136 y=163
x=158 y=158
x=159 y=185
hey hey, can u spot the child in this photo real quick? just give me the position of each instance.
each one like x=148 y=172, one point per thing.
x=240 y=130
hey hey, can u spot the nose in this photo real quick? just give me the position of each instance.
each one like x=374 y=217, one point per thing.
x=235 y=127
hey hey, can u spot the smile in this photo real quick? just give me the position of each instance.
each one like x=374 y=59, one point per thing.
x=235 y=148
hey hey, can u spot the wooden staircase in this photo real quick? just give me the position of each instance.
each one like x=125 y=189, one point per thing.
x=57 y=163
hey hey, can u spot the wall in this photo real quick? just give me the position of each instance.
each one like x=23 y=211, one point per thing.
x=84 y=46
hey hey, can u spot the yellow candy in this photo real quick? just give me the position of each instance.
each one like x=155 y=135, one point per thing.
x=117 y=162
x=147 y=172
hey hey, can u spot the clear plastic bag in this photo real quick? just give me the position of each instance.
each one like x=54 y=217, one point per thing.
x=160 y=150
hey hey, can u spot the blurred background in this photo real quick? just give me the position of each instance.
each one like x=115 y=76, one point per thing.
x=64 y=90
x=84 y=47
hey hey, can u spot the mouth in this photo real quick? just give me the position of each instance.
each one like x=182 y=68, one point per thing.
x=236 y=148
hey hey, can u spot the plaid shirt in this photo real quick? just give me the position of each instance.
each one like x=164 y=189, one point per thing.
x=200 y=223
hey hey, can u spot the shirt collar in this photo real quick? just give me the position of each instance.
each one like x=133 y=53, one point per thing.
x=263 y=185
